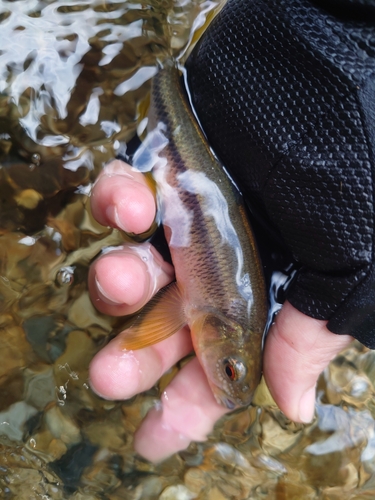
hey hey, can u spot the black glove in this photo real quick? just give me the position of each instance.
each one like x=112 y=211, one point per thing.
x=285 y=92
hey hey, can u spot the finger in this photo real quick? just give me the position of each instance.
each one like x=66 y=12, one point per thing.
x=121 y=198
x=121 y=281
x=187 y=412
x=298 y=348
x=116 y=373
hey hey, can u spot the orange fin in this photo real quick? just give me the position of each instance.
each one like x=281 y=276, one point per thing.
x=161 y=317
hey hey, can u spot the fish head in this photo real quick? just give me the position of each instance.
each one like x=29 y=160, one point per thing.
x=231 y=357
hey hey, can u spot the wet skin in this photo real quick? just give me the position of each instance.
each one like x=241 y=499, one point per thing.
x=297 y=350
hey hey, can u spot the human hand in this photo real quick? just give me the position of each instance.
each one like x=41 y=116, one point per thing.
x=279 y=102
x=297 y=349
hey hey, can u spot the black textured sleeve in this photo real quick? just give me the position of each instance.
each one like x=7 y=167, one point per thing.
x=285 y=91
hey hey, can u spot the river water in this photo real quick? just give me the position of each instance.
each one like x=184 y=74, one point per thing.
x=74 y=78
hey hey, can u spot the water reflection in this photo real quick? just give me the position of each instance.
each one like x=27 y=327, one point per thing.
x=73 y=79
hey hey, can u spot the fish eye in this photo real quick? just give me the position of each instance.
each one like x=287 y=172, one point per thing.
x=235 y=370
x=230 y=371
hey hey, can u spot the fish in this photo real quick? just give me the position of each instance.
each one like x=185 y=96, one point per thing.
x=219 y=290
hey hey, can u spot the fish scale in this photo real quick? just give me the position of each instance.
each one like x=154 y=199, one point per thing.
x=215 y=262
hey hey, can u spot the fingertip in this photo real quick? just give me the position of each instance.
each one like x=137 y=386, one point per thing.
x=113 y=373
x=115 y=284
x=118 y=373
x=156 y=440
x=132 y=209
x=187 y=412
x=122 y=198
x=122 y=280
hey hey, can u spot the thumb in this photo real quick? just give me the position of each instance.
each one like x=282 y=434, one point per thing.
x=297 y=350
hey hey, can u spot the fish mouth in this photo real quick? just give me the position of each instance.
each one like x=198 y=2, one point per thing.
x=228 y=403
x=225 y=401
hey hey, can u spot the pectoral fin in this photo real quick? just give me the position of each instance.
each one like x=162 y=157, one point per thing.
x=159 y=319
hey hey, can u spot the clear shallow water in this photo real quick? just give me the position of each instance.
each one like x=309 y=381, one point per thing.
x=74 y=80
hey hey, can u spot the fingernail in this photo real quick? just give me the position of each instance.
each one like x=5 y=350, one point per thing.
x=113 y=215
x=104 y=296
x=307 y=406
x=118 y=167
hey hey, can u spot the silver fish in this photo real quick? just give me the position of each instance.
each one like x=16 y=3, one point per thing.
x=219 y=290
